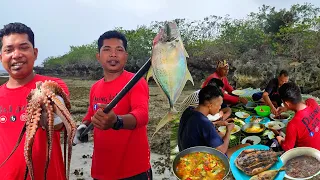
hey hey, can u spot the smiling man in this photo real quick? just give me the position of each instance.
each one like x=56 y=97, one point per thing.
x=121 y=149
x=18 y=55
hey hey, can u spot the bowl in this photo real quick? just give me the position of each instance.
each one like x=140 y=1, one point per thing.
x=263 y=110
x=299 y=151
x=260 y=128
x=284 y=117
x=257 y=119
x=276 y=125
x=204 y=149
x=254 y=139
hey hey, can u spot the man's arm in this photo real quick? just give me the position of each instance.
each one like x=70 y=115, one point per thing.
x=214 y=140
x=290 y=139
x=139 y=115
x=226 y=138
x=265 y=96
x=136 y=118
x=227 y=85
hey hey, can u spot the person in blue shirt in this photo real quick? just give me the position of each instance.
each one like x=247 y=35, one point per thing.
x=195 y=129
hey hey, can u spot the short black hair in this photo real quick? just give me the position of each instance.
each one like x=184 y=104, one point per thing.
x=112 y=34
x=208 y=93
x=19 y=28
x=215 y=82
x=290 y=92
x=284 y=72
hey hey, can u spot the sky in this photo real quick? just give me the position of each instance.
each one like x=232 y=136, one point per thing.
x=59 y=24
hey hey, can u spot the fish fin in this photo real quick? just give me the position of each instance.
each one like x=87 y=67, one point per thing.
x=149 y=74
x=167 y=118
x=189 y=77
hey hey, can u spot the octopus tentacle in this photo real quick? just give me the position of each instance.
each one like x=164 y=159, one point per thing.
x=42 y=104
x=70 y=127
x=49 y=127
x=31 y=129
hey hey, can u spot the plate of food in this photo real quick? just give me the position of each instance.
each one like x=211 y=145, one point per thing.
x=253 y=128
x=236 y=129
x=242 y=115
x=257 y=119
x=245 y=167
x=213 y=163
x=283 y=117
x=253 y=140
x=276 y=125
x=238 y=92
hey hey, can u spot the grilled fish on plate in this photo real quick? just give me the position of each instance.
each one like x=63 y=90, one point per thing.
x=253 y=162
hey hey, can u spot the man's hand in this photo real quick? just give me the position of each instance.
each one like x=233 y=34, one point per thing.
x=230 y=126
x=102 y=120
x=76 y=139
x=220 y=123
x=281 y=110
x=280 y=139
x=274 y=110
x=243 y=100
x=57 y=122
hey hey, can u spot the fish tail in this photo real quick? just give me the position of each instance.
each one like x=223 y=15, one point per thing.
x=170 y=116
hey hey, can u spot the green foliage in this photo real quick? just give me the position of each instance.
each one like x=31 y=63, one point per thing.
x=290 y=32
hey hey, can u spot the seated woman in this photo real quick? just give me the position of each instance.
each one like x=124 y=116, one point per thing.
x=195 y=129
x=193 y=100
x=221 y=73
x=304 y=128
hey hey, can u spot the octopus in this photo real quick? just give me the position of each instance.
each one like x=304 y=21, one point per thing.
x=43 y=102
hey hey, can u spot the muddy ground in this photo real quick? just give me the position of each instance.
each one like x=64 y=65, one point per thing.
x=158 y=107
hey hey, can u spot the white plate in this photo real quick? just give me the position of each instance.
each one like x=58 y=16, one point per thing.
x=285 y=114
x=213 y=118
x=242 y=115
x=238 y=92
x=255 y=139
x=276 y=125
x=222 y=129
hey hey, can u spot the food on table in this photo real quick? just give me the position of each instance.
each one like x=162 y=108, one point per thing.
x=238 y=122
x=200 y=165
x=274 y=126
x=249 y=141
x=255 y=128
x=266 y=175
x=253 y=162
x=265 y=133
x=255 y=119
x=302 y=166
x=281 y=116
x=261 y=110
x=223 y=129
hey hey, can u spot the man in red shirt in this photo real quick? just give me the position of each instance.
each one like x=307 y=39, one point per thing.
x=303 y=129
x=18 y=55
x=121 y=149
x=221 y=73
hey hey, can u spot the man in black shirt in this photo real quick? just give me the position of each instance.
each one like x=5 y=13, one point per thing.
x=271 y=95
